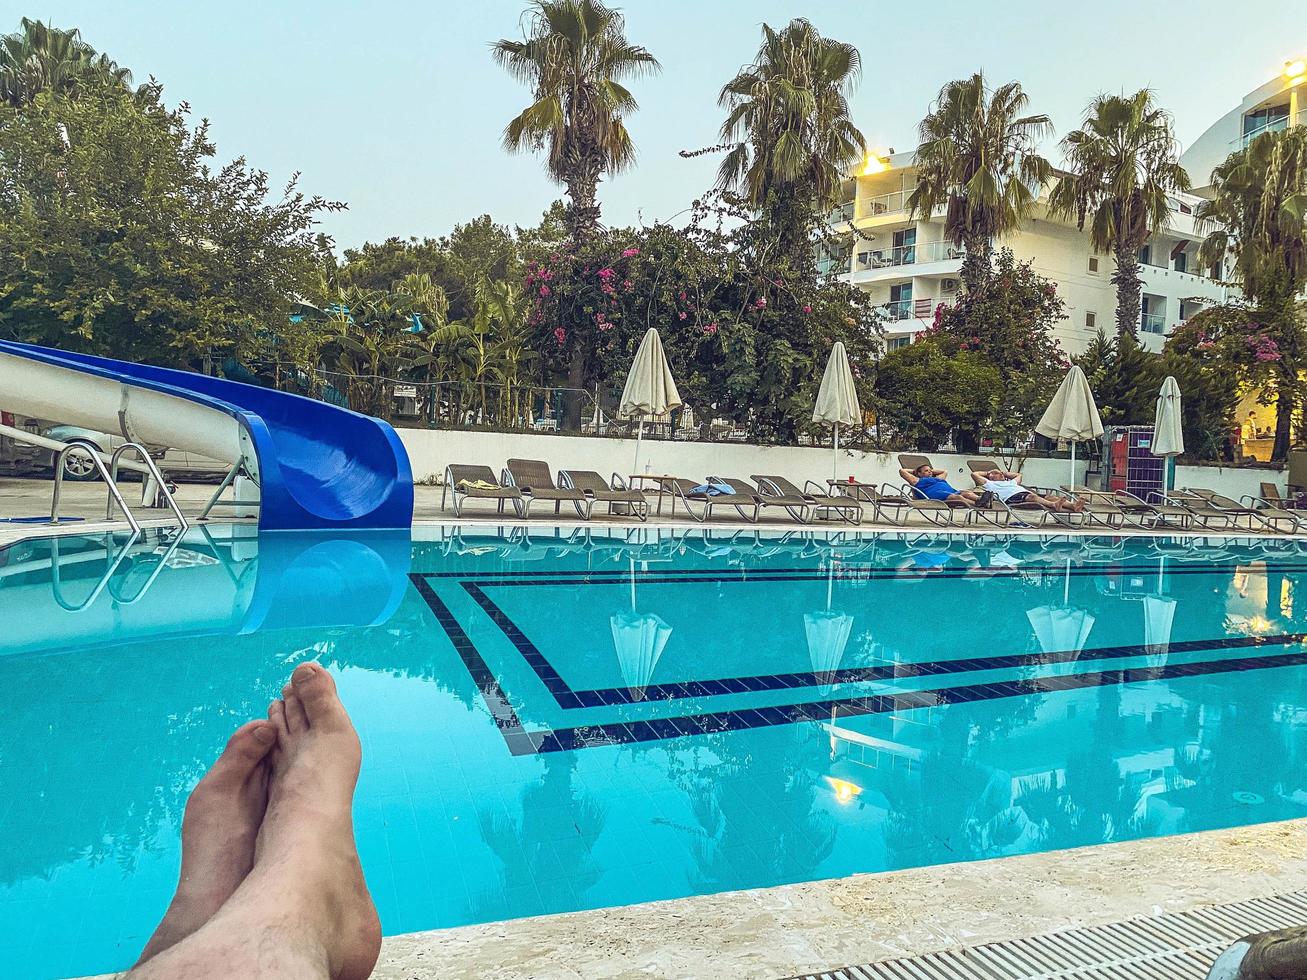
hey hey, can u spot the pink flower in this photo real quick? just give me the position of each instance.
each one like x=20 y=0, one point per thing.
x=560 y=335
x=628 y=285
x=760 y=303
x=807 y=309
x=544 y=290
x=599 y=317
x=710 y=327
x=628 y=252
x=683 y=314
x=681 y=294
x=605 y=326
x=606 y=274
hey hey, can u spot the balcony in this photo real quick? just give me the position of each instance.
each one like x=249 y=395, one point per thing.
x=843 y=213
x=1152 y=323
x=1273 y=126
x=922 y=309
x=918 y=253
x=874 y=207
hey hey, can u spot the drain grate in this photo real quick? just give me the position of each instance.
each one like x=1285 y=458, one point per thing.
x=1174 y=946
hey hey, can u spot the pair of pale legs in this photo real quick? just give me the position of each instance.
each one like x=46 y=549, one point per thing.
x=270 y=881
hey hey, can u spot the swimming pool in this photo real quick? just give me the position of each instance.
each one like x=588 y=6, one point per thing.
x=553 y=723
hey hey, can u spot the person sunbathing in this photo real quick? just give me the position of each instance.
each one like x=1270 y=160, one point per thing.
x=1007 y=488
x=271 y=884
x=930 y=484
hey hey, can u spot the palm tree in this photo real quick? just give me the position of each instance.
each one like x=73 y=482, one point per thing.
x=1124 y=165
x=38 y=58
x=977 y=159
x=788 y=118
x=575 y=56
x=1257 y=217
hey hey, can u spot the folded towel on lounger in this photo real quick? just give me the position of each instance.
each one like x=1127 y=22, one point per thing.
x=711 y=490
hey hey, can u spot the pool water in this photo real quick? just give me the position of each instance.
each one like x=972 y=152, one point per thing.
x=553 y=723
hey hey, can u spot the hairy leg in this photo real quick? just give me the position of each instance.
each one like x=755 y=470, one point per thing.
x=304 y=910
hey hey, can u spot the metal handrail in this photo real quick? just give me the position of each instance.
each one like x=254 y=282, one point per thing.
x=111 y=566
x=87 y=448
x=155 y=475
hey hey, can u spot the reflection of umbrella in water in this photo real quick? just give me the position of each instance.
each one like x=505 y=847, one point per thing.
x=1159 y=612
x=639 y=639
x=1060 y=628
x=827 y=633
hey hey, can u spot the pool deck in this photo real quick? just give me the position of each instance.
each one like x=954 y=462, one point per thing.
x=29 y=497
x=824 y=925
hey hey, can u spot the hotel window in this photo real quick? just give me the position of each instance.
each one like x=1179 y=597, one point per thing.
x=1146 y=255
x=1091 y=319
x=894 y=343
x=905 y=252
x=1093 y=265
x=1181 y=261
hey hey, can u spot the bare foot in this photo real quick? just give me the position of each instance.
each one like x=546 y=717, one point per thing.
x=219 y=830
x=308 y=831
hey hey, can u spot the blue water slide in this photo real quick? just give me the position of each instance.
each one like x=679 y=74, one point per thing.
x=319 y=466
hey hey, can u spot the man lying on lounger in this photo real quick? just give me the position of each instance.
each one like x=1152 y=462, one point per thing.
x=930 y=484
x=1007 y=488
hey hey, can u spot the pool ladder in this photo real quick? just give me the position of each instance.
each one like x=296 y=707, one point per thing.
x=109 y=475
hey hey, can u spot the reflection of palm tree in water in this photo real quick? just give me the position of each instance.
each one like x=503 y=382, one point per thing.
x=558 y=823
x=116 y=741
x=759 y=786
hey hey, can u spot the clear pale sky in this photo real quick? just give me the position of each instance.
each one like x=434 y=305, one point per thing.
x=395 y=106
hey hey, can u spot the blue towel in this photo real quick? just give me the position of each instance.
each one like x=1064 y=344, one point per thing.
x=712 y=489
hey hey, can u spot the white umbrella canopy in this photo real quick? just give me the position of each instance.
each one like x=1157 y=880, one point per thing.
x=1072 y=415
x=650 y=388
x=639 y=639
x=1168 y=434
x=827 y=634
x=837 y=399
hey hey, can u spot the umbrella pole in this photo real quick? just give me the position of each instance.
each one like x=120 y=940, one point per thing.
x=633 y=583
x=835 y=456
x=1066 y=585
x=1073 y=462
x=830 y=580
x=639 y=435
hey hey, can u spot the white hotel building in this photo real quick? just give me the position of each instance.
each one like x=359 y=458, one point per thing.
x=905 y=263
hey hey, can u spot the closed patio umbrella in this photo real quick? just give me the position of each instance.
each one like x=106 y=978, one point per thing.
x=1072 y=414
x=837 y=400
x=1168 y=434
x=639 y=639
x=650 y=388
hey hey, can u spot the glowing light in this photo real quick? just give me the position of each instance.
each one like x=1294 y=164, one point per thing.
x=1296 y=68
x=845 y=791
x=1259 y=625
x=874 y=163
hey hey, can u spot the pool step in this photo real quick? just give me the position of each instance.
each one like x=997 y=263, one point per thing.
x=1174 y=946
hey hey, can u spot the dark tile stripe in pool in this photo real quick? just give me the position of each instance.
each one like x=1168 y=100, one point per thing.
x=569 y=699
x=521 y=742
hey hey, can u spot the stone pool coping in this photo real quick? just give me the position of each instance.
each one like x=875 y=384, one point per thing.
x=818 y=926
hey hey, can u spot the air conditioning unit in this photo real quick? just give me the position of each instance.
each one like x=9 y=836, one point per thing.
x=948 y=285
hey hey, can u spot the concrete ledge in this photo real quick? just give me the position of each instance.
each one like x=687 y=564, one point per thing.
x=793 y=929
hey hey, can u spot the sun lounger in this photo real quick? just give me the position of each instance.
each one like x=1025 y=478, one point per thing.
x=746 y=504
x=816 y=496
x=466 y=481
x=533 y=479
x=1271 y=518
x=1207 y=514
x=1117 y=508
x=796 y=505
x=597 y=489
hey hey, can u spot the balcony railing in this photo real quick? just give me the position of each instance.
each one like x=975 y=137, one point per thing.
x=870 y=207
x=921 y=308
x=842 y=213
x=1152 y=322
x=1273 y=126
x=915 y=254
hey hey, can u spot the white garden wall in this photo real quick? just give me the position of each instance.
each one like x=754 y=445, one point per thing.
x=1232 y=481
x=430 y=450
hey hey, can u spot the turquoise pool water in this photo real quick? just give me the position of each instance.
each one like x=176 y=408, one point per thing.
x=552 y=724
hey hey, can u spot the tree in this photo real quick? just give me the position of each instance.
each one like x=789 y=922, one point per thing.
x=908 y=386
x=575 y=56
x=793 y=135
x=1258 y=217
x=118 y=236
x=1010 y=324
x=977 y=159
x=39 y=58
x=1124 y=166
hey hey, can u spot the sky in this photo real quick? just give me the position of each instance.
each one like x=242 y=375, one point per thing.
x=396 y=108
